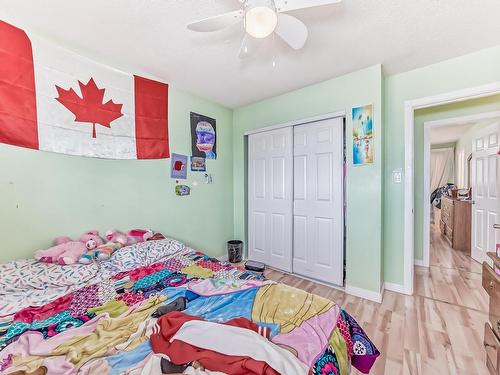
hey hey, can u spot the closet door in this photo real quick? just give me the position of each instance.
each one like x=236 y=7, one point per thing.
x=270 y=198
x=318 y=201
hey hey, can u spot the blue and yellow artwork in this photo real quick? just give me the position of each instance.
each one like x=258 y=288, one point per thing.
x=362 y=134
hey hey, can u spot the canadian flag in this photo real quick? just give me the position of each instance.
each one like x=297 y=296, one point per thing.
x=52 y=99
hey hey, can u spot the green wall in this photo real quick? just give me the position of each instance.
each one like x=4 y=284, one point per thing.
x=466 y=71
x=43 y=195
x=469 y=107
x=364 y=183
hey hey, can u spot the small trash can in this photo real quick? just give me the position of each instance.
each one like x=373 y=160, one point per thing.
x=235 y=251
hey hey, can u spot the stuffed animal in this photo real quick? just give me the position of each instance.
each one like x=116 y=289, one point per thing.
x=114 y=235
x=156 y=236
x=139 y=235
x=115 y=240
x=102 y=252
x=67 y=251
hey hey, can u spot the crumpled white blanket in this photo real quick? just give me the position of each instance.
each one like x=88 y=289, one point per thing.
x=27 y=282
x=239 y=342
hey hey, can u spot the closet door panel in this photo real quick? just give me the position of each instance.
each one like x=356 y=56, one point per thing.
x=270 y=197
x=259 y=233
x=319 y=253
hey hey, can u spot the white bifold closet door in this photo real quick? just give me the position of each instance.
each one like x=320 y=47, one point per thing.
x=318 y=201
x=270 y=198
x=295 y=199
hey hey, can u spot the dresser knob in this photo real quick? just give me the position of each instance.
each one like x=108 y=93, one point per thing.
x=491 y=285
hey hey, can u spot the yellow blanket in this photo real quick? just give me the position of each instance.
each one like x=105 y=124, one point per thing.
x=287 y=306
x=109 y=332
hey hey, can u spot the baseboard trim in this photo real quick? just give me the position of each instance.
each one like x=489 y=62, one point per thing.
x=393 y=287
x=365 y=293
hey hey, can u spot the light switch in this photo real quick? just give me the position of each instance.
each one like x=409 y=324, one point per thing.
x=397 y=176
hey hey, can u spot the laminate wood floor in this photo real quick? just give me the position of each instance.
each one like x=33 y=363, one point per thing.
x=438 y=330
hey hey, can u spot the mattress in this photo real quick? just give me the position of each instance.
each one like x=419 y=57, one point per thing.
x=160 y=303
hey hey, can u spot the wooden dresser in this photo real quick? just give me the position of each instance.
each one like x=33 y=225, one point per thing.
x=455 y=223
x=491 y=283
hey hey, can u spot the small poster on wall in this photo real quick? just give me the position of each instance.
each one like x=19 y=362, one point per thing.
x=203 y=136
x=198 y=164
x=178 y=166
x=362 y=135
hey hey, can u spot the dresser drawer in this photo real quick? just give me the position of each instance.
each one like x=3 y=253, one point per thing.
x=492 y=347
x=446 y=206
x=447 y=212
x=442 y=227
x=491 y=283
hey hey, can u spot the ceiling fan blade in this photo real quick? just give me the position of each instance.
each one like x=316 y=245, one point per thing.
x=288 y=5
x=217 y=22
x=292 y=31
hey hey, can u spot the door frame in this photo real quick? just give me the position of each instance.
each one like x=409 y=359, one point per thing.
x=304 y=121
x=326 y=116
x=428 y=125
x=409 y=108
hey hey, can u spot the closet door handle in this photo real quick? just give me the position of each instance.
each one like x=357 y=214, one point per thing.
x=496 y=226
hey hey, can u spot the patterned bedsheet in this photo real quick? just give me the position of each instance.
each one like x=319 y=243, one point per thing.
x=97 y=319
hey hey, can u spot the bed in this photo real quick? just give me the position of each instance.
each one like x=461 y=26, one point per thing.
x=161 y=306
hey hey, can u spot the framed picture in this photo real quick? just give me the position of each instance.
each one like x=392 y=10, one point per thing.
x=178 y=166
x=203 y=136
x=362 y=135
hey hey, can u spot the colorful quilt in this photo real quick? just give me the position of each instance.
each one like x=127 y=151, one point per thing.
x=113 y=318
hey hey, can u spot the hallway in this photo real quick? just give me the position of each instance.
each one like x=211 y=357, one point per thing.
x=452 y=277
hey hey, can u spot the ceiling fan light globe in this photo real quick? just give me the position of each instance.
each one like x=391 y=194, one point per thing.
x=260 y=21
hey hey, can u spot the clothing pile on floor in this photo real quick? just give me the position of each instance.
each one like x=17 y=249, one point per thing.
x=160 y=308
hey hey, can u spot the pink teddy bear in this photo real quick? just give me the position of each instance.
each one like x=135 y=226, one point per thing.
x=67 y=251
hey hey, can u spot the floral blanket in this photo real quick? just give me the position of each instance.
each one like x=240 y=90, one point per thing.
x=99 y=318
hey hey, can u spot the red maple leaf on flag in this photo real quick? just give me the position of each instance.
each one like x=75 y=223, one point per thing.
x=90 y=107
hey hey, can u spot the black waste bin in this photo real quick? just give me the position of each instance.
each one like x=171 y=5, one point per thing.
x=234 y=251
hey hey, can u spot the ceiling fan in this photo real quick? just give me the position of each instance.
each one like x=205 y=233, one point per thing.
x=261 y=18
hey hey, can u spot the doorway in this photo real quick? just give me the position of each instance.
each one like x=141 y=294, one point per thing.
x=410 y=193
x=460 y=189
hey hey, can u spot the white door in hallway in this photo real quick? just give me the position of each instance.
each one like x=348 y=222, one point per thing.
x=485 y=191
x=318 y=201
x=270 y=197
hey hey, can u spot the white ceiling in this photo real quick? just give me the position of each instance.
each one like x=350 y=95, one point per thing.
x=449 y=133
x=149 y=37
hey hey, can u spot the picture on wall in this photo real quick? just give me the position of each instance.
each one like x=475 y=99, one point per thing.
x=178 y=166
x=203 y=136
x=362 y=134
x=198 y=164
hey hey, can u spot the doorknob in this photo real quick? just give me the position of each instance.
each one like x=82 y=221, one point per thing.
x=496 y=226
